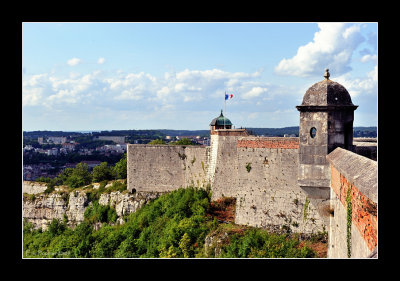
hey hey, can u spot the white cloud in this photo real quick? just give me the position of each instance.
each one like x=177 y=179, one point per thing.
x=163 y=92
x=101 y=60
x=368 y=58
x=254 y=92
x=185 y=90
x=74 y=61
x=332 y=47
x=356 y=86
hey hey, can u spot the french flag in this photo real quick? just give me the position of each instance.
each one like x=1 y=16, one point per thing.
x=227 y=97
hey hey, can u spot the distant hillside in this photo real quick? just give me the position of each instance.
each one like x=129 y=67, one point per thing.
x=274 y=132
x=370 y=132
x=186 y=132
x=135 y=134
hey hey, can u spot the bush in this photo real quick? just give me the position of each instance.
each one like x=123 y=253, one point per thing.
x=173 y=225
x=157 y=141
x=257 y=243
x=100 y=213
x=102 y=172
x=120 y=167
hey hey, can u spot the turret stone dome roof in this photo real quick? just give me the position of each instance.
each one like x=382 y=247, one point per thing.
x=327 y=93
x=221 y=120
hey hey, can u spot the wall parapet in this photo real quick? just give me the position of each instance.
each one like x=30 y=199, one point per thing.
x=349 y=163
x=353 y=189
x=269 y=142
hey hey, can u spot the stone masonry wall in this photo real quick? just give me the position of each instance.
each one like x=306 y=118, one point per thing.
x=268 y=195
x=346 y=174
x=225 y=181
x=196 y=166
x=163 y=168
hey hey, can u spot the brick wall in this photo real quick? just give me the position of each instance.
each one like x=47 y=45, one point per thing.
x=362 y=185
x=286 y=143
x=364 y=210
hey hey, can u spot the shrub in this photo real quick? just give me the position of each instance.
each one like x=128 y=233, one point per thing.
x=102 y=172
x=120 y=167
x=100 y=213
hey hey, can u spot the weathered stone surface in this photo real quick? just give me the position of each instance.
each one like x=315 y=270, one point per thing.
x=44 y=208
x=164 y=168
x=347 y=179
x=326 y=92
x=349 y=164
x=31 y=187
x=126 y=203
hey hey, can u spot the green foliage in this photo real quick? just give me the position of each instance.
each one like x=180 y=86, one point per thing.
x=117 y=186
x=306 y=204
x=183 y=141
x=248 y=167
x=174 y=225
x=157 y=141
x=102 y=172
x=72 y=177
x=120 y=167
x=258 y=243
x=349 y=211
x=56 y=227
x=100 y=213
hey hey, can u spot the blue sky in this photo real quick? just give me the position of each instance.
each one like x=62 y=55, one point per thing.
x=121 y=76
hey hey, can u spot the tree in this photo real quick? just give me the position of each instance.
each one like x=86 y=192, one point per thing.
x=157 y=141
x=80 y=176
x=101 y=172
x=183 y=141
x=120 y=168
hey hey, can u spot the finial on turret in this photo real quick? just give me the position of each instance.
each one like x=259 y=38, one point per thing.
x=327 y=75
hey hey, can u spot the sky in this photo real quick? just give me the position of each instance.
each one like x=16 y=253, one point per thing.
x=88 y=76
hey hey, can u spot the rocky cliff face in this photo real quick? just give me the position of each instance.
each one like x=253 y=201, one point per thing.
x=43 y=208
x=40 y=209
x=126 y=203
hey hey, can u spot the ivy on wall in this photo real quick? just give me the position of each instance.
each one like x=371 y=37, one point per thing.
x=349 y=210
x=306 y=203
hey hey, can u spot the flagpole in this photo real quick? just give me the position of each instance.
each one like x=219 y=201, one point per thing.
x=225 y=109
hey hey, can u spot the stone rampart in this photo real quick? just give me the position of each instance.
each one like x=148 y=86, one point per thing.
x=163 y=168
x=262 y=142
x=350 y=183
x=225 y=162
x=268 y=194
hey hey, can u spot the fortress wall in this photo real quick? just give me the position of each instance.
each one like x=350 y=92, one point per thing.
x=345 y=175
x=268 y=194
x=196 y=163
x=162 y=168
x=225 y=174
x=158 y=168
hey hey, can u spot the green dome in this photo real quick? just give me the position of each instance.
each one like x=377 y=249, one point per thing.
x=221 y=121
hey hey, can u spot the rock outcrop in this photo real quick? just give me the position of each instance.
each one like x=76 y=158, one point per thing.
x=40 y=208
x=126 y=203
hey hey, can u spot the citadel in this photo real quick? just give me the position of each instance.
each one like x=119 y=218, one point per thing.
x=324 y=181
x=311 y=184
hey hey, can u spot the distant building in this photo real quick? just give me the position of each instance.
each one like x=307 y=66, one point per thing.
x=56 y=140
x=68 y=146
x=92 y=164
x=116 y=148
x=53 y=151
x=116 y=139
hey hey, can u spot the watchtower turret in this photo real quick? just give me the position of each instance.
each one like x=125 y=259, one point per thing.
x=326 y=122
